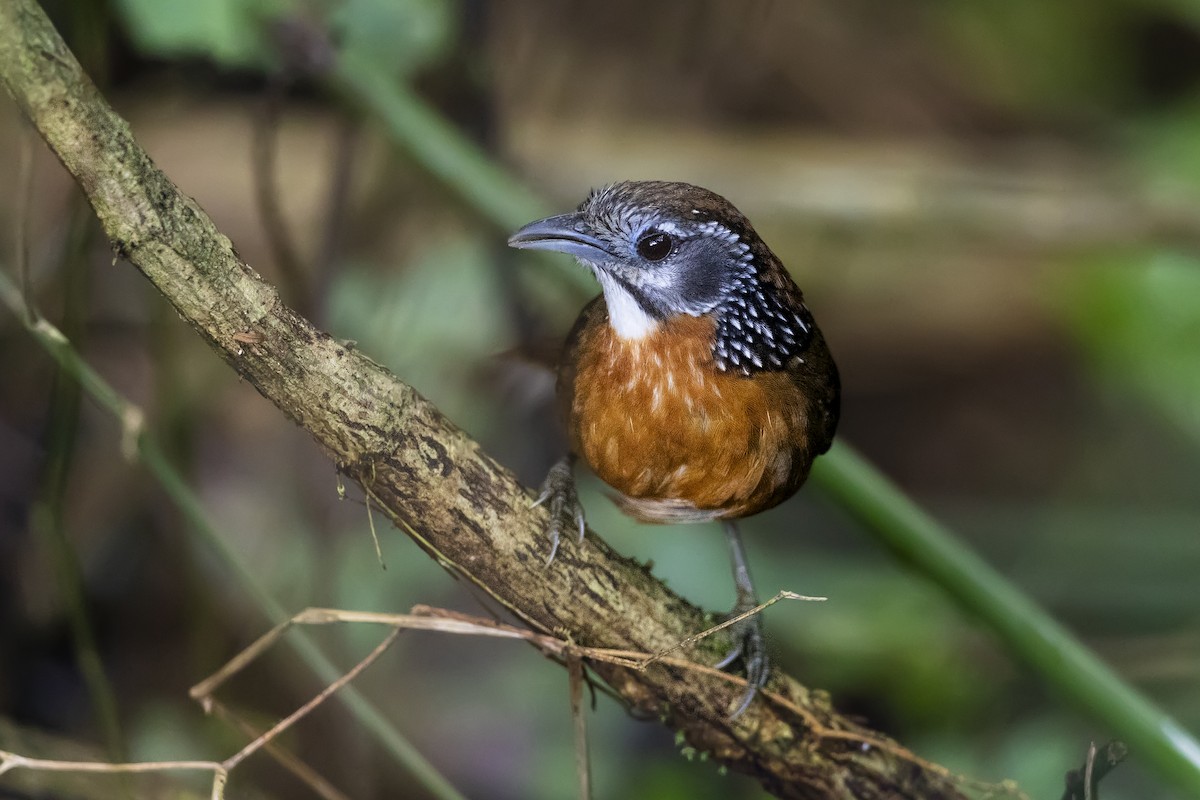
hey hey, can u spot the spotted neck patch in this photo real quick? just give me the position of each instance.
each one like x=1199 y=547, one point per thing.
x=757 y=329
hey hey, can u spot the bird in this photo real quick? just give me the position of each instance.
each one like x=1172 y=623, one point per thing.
x=697 y=384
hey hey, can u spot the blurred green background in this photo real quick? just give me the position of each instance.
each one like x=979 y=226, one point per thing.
x=993 y=209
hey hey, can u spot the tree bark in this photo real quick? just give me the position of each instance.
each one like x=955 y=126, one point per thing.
x=432 y=480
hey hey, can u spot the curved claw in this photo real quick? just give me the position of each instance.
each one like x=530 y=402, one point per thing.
x=559 y=489
x=733 y=655
x=541 y=498
x=553 y=544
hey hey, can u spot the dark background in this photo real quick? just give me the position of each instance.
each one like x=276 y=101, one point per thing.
x=992 y=209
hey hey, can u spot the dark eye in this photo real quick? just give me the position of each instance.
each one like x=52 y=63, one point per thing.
x=655 y=246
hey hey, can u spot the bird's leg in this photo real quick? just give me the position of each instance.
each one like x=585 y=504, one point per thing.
x=559 y=489
x=750 y=645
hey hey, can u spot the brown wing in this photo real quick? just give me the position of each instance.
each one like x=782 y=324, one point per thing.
x=814 y=372
x=819 y=380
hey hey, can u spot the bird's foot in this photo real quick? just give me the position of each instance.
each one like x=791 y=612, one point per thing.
x=750 y=647
x=559 y=490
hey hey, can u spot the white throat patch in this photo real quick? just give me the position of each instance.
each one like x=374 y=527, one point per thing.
x=627 y=318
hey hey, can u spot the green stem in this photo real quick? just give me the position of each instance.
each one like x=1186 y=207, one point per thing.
x=48 y=518
x=439 y=147
x=499 y=198
x=928 y=546
x=137 y=442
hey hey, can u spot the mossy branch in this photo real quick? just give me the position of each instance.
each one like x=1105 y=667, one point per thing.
x=430 y=478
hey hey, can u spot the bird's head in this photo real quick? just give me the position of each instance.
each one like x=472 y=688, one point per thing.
x=658 y=249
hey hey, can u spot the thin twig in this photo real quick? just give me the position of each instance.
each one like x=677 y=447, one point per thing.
x=690 y=640
x=11 y=761
x=374 y=534
x=583 y=770
x=218 y=787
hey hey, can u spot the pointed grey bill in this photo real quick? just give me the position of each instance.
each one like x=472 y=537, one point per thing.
x=565 y=233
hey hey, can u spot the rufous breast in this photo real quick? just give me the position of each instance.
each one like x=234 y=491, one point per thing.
x=677 y=438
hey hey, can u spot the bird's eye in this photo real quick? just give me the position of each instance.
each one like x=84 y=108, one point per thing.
x=655 y=246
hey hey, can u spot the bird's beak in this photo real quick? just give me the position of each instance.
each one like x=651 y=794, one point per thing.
x=565 y=233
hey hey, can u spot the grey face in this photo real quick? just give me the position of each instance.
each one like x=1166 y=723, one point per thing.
x=661 y=249
x=669 y=263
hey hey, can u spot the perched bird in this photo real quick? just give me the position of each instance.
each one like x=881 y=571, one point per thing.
x=698 y=385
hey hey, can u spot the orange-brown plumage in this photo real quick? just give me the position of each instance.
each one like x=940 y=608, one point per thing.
x=678 y=439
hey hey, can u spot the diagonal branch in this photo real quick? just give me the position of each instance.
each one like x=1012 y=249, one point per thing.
x=429 y=477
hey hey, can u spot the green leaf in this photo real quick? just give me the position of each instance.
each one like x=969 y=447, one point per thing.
x=1164 y=146
x=1139 y=317
x=394 y=36
x=226 y=31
